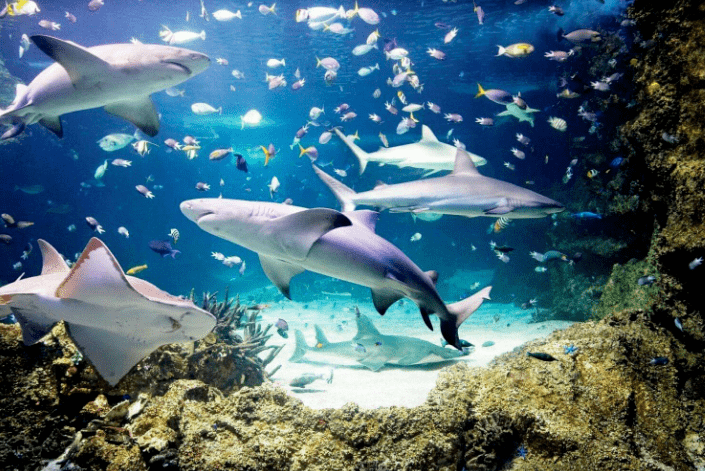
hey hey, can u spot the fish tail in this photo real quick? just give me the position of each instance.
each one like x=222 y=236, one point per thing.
x=174 y=252
x=203 y=34
x=362 y=156
x=303 y=151
x=318 y=62
x=480 y=91
x=501 y=51
x=272 y=8
x=460 y=311
x=283 y=62
x=220 y=110
x=300 y=348
x=342 y=193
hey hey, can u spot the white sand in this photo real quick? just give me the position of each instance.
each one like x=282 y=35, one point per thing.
x=392 y=385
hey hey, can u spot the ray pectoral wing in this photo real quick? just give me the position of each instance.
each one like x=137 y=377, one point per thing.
x=35 y=323
x=140 y=112
x=280 y=272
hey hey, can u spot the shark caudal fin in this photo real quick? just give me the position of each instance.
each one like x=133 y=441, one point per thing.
x=344 y=194
x=362 y=156
x=301 y=347
x=460 y=311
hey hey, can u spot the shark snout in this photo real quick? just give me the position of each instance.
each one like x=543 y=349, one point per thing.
x=195 y=209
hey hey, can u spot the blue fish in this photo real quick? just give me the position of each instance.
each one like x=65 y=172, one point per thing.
x=163 y=248
x=616 y=162
x=586 y=215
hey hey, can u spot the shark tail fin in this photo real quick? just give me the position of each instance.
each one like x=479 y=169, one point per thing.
x=344 y=194
x=464 y=308
x=300 y=349
x=362 y=156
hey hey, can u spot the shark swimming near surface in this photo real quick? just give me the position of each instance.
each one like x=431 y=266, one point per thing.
x=428 y=153
x=118 y=77
x=373 y=349
x=114 y=319
x=462 y=193
x=290 y=240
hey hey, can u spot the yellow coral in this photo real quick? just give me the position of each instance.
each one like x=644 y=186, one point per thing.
x=653 y=88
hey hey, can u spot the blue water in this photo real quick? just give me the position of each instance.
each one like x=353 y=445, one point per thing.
x=446 y=245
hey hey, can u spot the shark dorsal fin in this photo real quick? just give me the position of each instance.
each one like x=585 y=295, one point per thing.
x=463 y=164
x=76 y=60
x=366 y=217
x=296 y=233
x=97 y=278
x=365 y=328
x=321 y=340
x=51 y=260
x=427 y=134
x=433 y=274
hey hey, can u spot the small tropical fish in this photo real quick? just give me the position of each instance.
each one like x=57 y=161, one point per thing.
x=328 y=63
x=695 y=263
x=274 y=63
x=273 y=186
x=50 y=25
x=142 y=147
x=70 y=17
x=450 y=35
x=365 y=71
x=220 y=154
x=416 y=237
x=163 y=248
x=144 y=191
x=237 y=74
x=453 y=117
x=252 y=118
x=136 y=269
x=30 y=189
x=377 y=93
x=282 y=328
x=515 y=50
x=658 y=361
x=384 y=140
x=558 y=56
x=485 y=121
x=93 y=224
x=226 y=15
x=586 y=215
x=517 y=153
x=221 y=61
x=592 y=173
x=241 y=163
x=510 y=166
x=174 y=234
x=269 y=153
x=646 y=280
x=436 y=54
x=558 y=123
x=310 y=151
x=203 y=109
x=123 y=232
x=201 y=186
x=540 y=269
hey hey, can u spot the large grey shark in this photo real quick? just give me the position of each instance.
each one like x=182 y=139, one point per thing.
x=291 y=239
x=114 y=319
x=463 y=193
x=428 y=153
x=119 y=77
x=373 y=349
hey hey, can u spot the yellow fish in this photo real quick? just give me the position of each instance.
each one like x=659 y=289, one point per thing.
x=592 y=173
x=190 y=147
x=137 y=269
x=268 y=153
x=516 y=50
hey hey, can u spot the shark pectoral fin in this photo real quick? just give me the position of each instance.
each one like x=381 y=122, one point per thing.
x=52 y=262
x=375 y=363
x=365 y=328
x=430 y=172
x=320 y=337
x=504 y=113
x=383 y=298
x=499 y=210
x=76 y=60
x=426 y=318
x=296 y=233
x=279 y=272
x=427 y=134
x=412 y=358
x=366 y=217
x=139 y=111
x=300 y=349
x=53 y=124
x=112 y=354
x=97 y=278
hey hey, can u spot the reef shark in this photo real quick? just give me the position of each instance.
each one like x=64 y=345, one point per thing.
x=118 y=77
x=520 y=114
x=114 y=319
x=463 y=193
x=373 y=349
x=291 y=239
x=428 y=153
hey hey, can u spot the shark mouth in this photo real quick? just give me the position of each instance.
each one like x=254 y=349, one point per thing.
x=203 y=215
x=179 y=65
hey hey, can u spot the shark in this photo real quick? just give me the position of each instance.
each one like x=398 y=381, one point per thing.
x=117 y=77
x=428 y=153
x=519 y=113
x=464 y=192
x=291 y=239
x=372 y=349
x=114 y=319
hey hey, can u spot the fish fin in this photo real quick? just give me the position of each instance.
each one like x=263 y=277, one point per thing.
x=362 y=156
x=296 y=233
x=450 y=333
x=433 y=274
x=113 y=355
x=379 y=184
x=78 y=61
x=504 y=113
x=480 y=91
x=139 y=111
x=320 y=336
x=430 y=172
x=383 y=298
x=34 y=324
x=464 y=164
x=51 y=260
x=279 y=272
x=366 y=217
x=425 y=316
x=53 y=124
x=365 y=328
x=343 y=193
x=412 y=357
x=97 y=278
x=464 y=308
x=373 y=363
x=499 y=210
x=300 y=348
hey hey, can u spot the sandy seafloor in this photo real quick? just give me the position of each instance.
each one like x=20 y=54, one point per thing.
x=392 y=385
